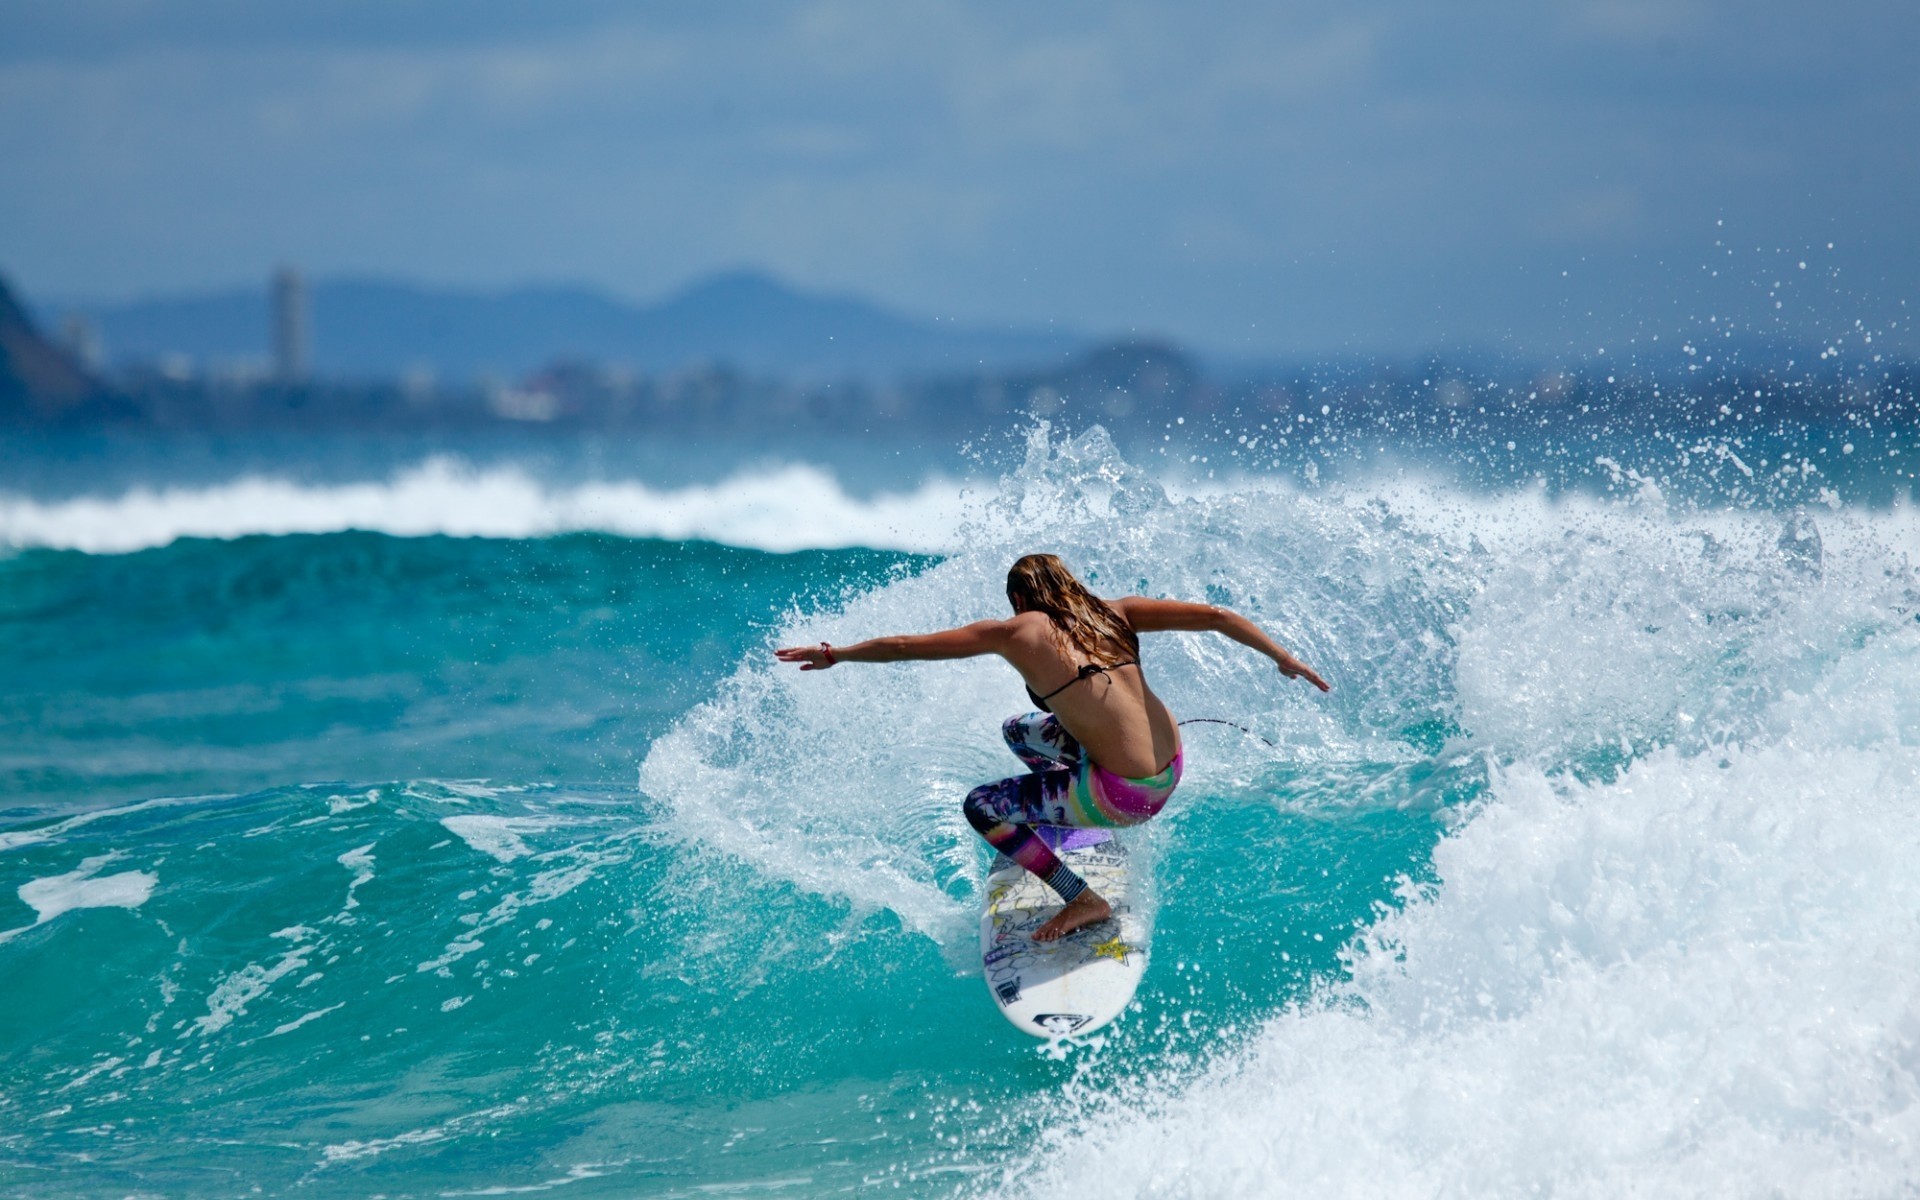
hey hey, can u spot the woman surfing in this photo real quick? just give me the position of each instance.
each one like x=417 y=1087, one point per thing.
x=1103 y=751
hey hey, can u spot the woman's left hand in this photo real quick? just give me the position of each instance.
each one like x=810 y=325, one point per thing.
x=810 y=658
x=1293 y=668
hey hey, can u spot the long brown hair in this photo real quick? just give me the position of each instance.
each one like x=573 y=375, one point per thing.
x=1042 y=583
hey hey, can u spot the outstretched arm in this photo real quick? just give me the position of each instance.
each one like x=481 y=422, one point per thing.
x=968 y=641
x=1156 y=616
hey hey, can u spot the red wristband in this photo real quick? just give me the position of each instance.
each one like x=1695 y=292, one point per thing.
x=828 y=651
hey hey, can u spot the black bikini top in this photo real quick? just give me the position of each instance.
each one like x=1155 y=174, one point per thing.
x=1086 y=672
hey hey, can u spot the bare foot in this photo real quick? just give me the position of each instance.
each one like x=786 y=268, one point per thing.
x=1084 y=910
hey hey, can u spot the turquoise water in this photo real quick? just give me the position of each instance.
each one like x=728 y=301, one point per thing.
x=211 y=666
x=348 y=863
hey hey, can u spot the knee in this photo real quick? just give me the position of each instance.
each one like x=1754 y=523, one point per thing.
x=1014 y=730
x=978 y=808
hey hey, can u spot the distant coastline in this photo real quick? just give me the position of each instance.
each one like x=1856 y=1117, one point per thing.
x=1785 y=417
x=365 y=329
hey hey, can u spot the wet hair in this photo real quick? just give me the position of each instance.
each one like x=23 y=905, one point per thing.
x=1042 y=583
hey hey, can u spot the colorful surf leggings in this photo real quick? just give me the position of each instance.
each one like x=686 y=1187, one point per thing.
x=1064 y=787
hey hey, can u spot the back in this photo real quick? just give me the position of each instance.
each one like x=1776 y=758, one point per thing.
x=1113 y=713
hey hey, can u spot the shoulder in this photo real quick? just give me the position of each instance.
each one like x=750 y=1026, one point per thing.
x=1017 y=628
x=1027 y=624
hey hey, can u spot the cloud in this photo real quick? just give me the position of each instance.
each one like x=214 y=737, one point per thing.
x=1193 y=169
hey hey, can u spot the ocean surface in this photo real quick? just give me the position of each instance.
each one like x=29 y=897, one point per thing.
x=438 y=824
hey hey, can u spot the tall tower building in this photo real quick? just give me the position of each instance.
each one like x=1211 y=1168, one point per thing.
x=82 y=339
x=290 y=361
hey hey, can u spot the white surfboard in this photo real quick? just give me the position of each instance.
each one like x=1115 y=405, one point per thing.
x=1081 y=982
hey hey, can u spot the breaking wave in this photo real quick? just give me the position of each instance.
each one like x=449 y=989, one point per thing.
x=792 y=507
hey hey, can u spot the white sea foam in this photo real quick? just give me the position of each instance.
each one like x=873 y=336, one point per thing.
x=83 y=887
x=497 y=837
x=1692 y=977
x=349 y=1151
x=235 y=992
x=359 y=860
x=304 y=1018
x=561 y=871
x=782 y=508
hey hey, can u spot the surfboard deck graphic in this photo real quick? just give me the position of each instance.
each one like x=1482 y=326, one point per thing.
x=1083 y=981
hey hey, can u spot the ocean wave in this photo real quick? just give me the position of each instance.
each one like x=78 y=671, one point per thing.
x=1658 y=932
x=782 y=508
x=1671 y=946
x=1694 y=979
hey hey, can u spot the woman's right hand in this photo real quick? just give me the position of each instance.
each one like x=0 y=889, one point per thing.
x=810 y=658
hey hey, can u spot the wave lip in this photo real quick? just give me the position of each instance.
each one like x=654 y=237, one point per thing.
x=780 y=509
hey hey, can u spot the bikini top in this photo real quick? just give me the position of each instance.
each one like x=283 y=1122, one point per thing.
x=1086 y=672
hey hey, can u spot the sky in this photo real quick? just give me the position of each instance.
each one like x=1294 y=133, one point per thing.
x=1259 y=178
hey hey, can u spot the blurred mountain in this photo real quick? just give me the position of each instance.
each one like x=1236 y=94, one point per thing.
x=39 y=382
x=744 y=320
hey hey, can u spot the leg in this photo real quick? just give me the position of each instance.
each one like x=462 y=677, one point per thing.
x=1005 y=812
x=1039 y=741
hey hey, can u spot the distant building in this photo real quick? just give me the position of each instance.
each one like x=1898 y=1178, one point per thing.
x=82 y=340
x=290 y=353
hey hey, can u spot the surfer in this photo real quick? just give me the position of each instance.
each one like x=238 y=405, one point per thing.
x=1103 y=751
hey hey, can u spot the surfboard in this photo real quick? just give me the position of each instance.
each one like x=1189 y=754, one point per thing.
x=1083 y=981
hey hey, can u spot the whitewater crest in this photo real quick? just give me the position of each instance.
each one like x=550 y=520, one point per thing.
x=1668 y=950
x=779 y=508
